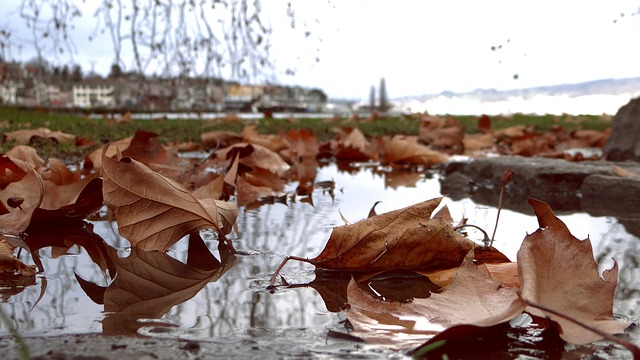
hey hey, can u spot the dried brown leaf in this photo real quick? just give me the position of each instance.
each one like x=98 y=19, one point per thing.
x=219 y=139
x=27 y=154
x=20 y=182
x=350 y=144
x=259 y=156
x=58 y=173
x=152 y=211
x=471 y=298
x=274 y=143
x=405 y=238
x=26 y=136
x=75 y=200
x=558 y=271
x=407 y=150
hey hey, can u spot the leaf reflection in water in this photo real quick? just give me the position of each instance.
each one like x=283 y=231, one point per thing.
x=149 y=283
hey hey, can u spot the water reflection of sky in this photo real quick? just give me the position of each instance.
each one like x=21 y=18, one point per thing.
x=237 y=306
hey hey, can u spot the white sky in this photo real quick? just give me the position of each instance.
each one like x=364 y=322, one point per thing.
x=425 y=47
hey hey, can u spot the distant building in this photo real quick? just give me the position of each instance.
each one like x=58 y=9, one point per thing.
x=197 y=94
x=242 y=98
x=9 y=91
x=28 y=85
x=94 y=93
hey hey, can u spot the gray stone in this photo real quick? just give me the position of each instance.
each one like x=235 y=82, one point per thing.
x=554 y=181
x=589 y=186
x=624 y=142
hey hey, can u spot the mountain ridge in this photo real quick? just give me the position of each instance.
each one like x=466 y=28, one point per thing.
x=601 y=86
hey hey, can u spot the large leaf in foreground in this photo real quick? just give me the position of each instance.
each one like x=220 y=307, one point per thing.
x=472 y=298
x=404 y=238
x=558 y=271
x=152 y=211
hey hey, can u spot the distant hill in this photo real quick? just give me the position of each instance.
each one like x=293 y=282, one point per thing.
x=593 y=97
x=604 y=86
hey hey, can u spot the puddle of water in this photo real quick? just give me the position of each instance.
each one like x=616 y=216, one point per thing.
x=237 y=305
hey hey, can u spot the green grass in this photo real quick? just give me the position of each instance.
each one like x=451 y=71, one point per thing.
x=540 y=123
x=97 y=131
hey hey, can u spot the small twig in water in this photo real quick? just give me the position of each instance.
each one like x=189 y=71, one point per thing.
x=505 y=178
x=485 y=241
x=277 y=272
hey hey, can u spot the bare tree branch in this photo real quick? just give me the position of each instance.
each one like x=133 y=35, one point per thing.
x=188 y=37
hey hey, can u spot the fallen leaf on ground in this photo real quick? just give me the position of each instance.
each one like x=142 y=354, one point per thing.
x=350 y=144
x=259 y=156
x=445 y=136
x=406 y=238
x=471 y=298
x=94 y=159
x=75 y=200
x=219 y=139
x=22 y=194
x=214 y=189
x=27 y=154
x=484 y=124
x=24 y=137
x=147 y=150
x=558 y=271
x=152 y=211
x=58 y=173
x=274 y=143
x=406 y=150
x=10 y=266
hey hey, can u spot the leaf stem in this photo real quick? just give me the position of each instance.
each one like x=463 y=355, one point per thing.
x=275 y=274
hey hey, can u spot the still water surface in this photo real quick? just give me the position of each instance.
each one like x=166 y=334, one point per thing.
x=238 y=306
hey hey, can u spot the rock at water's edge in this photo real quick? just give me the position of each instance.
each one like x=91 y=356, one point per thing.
x=624 y=141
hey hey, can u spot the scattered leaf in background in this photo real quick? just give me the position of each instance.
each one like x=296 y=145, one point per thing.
x=27 y=154
x=406 y=150
x=58 y=173
x=20 y=181
x=350 y=144
x=24 y=137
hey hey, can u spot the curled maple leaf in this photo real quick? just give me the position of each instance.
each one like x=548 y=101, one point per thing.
x=22 y=193
x=472 y=297
x=27 y=136
x=402 y=239
x=558 y=271
x=154 y=212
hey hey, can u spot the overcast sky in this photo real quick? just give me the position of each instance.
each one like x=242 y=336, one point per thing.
x=425 y=47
